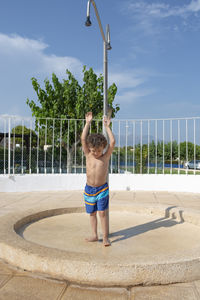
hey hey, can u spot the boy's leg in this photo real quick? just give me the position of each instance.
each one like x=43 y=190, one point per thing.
x=104 y=225
x=93 y=222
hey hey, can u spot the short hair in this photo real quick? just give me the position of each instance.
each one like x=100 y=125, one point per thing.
x=96 y=140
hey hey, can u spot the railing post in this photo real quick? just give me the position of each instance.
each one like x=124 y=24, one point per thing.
x=119 y=147
x=156 y=147
x=141 y=147
x=179 y=152
x=171 y=138
x=186 y=133
x=22 y=157
x=9 y=146
x=75 y=137
x=194 y=146
x=45 y=149
x=60 y=163
x=82 y=156
x=68 y=154
x=148 y=133
x=30 y=147
x=14 y=150
x=111 y=161
x=52 y=154
x=134 y=147
x=38 y=146
x=126 y=146
x=163 y=146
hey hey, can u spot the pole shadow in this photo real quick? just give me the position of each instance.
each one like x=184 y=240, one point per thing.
x=165 y=221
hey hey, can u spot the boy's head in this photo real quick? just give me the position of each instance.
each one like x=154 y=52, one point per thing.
x=96 y=143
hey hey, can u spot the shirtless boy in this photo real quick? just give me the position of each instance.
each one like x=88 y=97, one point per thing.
x=96 y=193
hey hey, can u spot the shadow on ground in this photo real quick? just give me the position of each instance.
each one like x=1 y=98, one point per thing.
x=165 y=221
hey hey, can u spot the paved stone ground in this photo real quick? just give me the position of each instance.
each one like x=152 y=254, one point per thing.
x=20 y=285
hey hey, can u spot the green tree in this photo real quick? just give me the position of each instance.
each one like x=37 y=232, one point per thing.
x=69 y=100
x=22 y=133
x=187 y=150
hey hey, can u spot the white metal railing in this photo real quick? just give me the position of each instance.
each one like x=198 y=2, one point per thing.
x=46 y=145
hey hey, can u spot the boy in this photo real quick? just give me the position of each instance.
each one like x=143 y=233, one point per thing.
x=96 y=193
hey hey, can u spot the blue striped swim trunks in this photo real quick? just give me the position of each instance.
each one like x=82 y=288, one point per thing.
x=96 y=198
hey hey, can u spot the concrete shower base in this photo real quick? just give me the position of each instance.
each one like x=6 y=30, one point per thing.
x=150 y=245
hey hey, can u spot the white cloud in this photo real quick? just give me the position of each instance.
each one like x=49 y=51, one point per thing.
x=16 y=42
x=130 y=83
x=194 y=6
x=132 y=96
x=30 y=54
x=147 y=15
x=58 y=65
x=162 y=10
x=153 y=9
x=126 y=79
x=20 y=60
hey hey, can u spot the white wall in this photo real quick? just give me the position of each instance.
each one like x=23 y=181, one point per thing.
x=61 y=182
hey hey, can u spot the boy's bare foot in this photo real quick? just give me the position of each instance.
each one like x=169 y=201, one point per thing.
x=92 y=239
x=106 y=243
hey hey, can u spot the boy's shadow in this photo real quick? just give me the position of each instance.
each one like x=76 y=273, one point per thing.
x=139 y=229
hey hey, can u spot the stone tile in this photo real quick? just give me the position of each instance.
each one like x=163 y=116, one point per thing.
x=191 y=204
x=80 y=293
x=122 y=195
x=197 y=286
x=11 y=196
x=68 y=195
x=145 y=197
x=19 y=203
x=53 y=199
x=112 y=195
x=24 y=288
x=162 y=197
x=189 y=200
x=72 y=201
x=196 y=196
x=170 y=202
x=184 y=284
x=7 y=201
x=169 y=292
x=3 y=279
x=4 y=268
x=185 y=196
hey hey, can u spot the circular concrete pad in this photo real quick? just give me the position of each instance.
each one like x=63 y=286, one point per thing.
x=135 y=237
x=150 y=245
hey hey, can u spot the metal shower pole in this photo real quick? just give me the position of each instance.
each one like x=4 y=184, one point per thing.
x=106 y=47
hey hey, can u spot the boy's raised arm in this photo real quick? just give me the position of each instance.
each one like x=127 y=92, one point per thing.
x=88 y=118
x=110 y=136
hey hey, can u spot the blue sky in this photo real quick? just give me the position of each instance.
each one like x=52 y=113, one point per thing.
x=154 y=58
